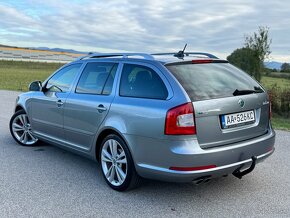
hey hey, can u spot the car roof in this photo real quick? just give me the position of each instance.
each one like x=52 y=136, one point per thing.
x=163 y=58
x=171 y=59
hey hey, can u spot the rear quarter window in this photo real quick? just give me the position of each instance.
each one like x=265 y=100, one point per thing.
x=141 y=82
x=211 y=80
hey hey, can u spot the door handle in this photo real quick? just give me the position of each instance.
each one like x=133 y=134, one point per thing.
x=59 y=103
x=101 y=108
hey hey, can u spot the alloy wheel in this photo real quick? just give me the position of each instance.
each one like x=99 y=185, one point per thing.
x=21 y=130
x=114 y=162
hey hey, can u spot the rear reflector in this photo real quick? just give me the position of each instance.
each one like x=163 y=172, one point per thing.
x=180 y=120
x=193 y=168
x=202 y=61
x=270 y=149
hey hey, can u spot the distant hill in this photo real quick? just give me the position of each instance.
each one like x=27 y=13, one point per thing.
x=47 y=49
x=59 y=50
x=38 y=54
x=7 y=46
x=273 y=65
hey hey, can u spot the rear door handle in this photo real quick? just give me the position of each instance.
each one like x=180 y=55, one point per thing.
x=101 y=108
x=59 y=103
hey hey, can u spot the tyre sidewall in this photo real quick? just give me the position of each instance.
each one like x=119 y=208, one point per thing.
x=11 y=131
x=130 y=164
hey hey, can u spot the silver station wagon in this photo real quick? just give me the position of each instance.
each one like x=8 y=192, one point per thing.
x=181 y=117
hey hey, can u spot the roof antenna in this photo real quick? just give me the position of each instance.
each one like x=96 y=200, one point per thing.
x=180 y=54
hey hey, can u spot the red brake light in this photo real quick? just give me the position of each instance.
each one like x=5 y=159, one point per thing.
x=180 y=120
x=202 y=61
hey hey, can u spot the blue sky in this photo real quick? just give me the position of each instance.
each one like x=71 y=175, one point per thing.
x=144 y=25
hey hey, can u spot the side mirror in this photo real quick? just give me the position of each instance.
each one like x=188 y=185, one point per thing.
x=35 y=86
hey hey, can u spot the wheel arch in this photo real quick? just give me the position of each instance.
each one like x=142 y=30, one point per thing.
x=18 y=108
x=103 y=134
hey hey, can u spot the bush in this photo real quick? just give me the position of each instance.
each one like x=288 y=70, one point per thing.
x=280 y=101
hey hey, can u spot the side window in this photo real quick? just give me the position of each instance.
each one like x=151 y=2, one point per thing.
x=97 y=78
x=141 y=82
x=62 y=80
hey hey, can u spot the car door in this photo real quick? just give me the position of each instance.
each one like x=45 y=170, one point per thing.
x=87 y=106
x=47 y=106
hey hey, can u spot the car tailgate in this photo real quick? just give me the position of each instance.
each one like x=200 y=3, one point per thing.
x=211 y=131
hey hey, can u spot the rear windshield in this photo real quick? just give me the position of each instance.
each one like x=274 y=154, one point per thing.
x=212 y=80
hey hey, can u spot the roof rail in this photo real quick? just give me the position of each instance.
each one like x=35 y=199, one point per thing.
x=190 y=53
x=124 y=55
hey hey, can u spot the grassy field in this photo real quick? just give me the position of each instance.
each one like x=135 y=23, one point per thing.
x=269 y=82
x=16 y=75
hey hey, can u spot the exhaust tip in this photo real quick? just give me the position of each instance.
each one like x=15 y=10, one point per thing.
x=201 y=180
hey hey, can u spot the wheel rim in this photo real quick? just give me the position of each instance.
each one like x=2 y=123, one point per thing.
x=114 y=162
x=22 y=130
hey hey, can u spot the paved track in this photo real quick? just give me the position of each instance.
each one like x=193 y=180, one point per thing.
x=46 y=181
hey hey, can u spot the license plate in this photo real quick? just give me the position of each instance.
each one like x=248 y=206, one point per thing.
x=238 y=119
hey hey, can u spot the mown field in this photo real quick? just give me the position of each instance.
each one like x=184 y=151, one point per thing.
x=16 y=75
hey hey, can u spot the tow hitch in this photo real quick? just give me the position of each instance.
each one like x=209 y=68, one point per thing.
x=239 y=174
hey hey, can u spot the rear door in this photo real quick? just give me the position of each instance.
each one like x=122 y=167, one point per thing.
x=87 y=105
x=229 y=105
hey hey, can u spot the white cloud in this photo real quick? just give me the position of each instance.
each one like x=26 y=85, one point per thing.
x=144 y=25
x=10 y=18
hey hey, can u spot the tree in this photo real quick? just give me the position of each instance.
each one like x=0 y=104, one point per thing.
x=260 y=42
x=251 y=57
x=285 y=67
x=245 y=59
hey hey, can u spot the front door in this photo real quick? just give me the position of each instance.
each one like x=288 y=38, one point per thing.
x=47 y=106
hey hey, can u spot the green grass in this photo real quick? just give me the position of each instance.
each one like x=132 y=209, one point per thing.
x=281 y=83
x=17 y=75
x=280 y=123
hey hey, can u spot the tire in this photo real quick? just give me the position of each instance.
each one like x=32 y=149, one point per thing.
x=20 y=129
x=117 y=164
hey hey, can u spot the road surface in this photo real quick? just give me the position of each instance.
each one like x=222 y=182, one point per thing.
x=46 y=181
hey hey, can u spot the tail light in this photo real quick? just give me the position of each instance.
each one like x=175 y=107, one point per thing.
x=270 y=105
x=180 y=120
x=270 y=110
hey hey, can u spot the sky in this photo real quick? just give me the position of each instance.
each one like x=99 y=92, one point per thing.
x=218 y=27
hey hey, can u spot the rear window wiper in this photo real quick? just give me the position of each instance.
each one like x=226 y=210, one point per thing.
x=247 y=91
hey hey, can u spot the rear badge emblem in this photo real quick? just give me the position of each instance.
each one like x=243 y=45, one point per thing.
x=241 y=102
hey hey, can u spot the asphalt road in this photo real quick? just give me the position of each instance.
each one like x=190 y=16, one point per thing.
x=46 y=181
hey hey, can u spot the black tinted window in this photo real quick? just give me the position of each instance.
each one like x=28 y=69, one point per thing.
x=62 y=80
x=97 y=78
x=213 y=80
x=141 y=82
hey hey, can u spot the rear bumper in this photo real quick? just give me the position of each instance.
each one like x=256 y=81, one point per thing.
x=154 y=160
x=188 y=176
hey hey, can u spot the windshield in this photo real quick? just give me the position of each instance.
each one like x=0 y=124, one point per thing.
x=212 y=80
